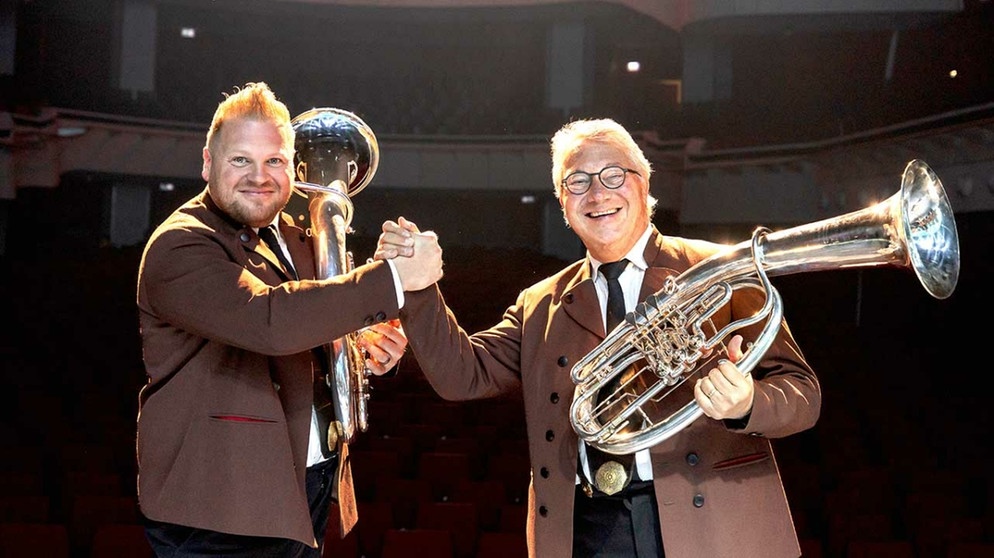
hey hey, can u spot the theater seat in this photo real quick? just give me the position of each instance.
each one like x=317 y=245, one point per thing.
x=424 y=543
x=501 y=545
x=26 y=540
x=118 y=540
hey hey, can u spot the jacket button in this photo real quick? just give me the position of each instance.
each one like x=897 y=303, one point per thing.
x=568 y=299
x=693 y=459
x=698 y=500
x=543 y=511
x=563 y=362
x=368 y=321
x=550 y=435
x=544 y=471
x=554 y=397
x=381 y=316
x=244 y=236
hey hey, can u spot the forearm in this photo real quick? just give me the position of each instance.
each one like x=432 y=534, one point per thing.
x=457 y=365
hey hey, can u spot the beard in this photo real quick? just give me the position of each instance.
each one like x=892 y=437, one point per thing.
x=239 y=202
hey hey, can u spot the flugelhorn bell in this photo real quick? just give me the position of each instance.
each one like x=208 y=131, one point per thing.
x=662 y=342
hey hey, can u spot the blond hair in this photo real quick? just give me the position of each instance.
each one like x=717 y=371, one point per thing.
x=255 y=100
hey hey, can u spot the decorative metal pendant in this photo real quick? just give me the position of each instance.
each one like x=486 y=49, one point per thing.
x=611 y=477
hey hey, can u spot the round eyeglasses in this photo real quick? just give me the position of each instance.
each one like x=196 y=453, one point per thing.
x=611 y=177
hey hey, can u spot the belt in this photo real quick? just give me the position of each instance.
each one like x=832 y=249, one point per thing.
x=634 y=488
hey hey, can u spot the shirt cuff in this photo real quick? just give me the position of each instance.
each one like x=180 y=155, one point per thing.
x=398 y=287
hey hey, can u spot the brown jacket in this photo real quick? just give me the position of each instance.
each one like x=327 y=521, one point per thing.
x=717 y=484
x=224 y=420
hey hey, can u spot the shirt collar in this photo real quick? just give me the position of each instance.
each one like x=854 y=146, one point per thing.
x=275 y=224
x=635 y=256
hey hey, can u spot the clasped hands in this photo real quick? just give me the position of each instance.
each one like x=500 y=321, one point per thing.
x=421 y=266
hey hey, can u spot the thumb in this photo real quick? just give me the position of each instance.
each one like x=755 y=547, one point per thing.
x=735 y=348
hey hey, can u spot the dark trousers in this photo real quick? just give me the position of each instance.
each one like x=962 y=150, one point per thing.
x=624 y=525
x=179 y=541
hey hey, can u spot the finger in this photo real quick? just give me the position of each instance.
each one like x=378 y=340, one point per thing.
x=703 y=387
x=376 y=368
x=385 y=253
x=401 y=237
x=379 y=358
x=384 y=342
x=408 y=225
x=391 y=329
x=735 y=348
x=390 y=337
x=395 y=240
x=727 y=375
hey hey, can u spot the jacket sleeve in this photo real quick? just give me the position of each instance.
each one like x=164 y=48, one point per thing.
x=460 y=366
x=190 y=279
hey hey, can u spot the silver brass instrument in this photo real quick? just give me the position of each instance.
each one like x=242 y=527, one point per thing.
x=336 y=157
x=660 y=343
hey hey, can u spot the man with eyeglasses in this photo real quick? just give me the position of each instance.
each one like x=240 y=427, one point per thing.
x=713 y=488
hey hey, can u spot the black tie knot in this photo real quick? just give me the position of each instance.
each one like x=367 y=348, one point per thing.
x=613 y=270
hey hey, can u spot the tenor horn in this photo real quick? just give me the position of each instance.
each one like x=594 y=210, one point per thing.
x=664 y=341
x=336 y=157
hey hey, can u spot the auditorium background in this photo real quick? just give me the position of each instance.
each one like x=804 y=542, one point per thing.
x=753 y=113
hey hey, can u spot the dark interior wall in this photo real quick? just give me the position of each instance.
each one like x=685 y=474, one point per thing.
x=79 y=214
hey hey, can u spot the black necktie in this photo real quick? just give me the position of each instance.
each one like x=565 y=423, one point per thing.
x=268 y=235
x=615 y=296
x=611 y=473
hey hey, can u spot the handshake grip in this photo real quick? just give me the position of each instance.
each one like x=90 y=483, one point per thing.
x=423 y=267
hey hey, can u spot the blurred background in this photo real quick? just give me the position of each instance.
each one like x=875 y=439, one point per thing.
x=752 y=113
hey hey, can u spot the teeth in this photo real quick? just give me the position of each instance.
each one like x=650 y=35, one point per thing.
x=603 y=213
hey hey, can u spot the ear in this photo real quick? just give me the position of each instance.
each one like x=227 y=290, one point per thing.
x=205 y=172
x=562 y=206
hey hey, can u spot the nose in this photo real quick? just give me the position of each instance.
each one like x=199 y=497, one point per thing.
x=597 y=188
x=257 y=173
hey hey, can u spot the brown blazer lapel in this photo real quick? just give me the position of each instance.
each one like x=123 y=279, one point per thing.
x=581 y=304
x=661 y=265
x=263 y=250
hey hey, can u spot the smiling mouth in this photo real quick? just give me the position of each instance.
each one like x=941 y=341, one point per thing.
x=262 y=192
x=605 y=213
